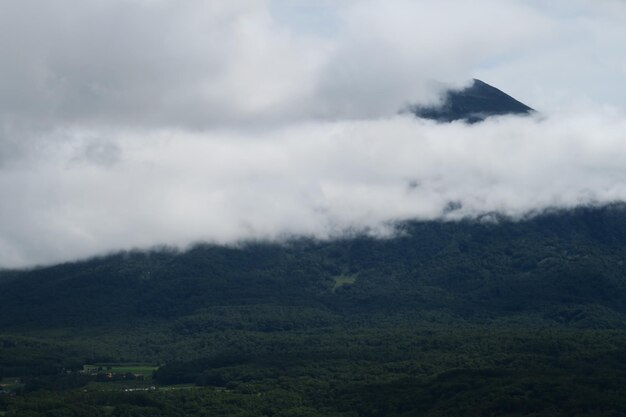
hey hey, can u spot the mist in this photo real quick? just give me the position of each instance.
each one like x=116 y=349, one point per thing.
x=138 y=189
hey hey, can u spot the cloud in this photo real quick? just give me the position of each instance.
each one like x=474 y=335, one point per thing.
x=196 y=64
x=393 y=52
x=131 y=123
x=155 y=63
x=313 y=179
x=576 y=63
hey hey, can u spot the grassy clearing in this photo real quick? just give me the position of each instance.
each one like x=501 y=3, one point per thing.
x=144 y=384
x=342 y=280
x=122 y=368
x=10 y=383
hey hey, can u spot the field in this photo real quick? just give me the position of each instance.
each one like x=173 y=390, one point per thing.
x=122 y=368
x=9 y=384
x=342 y=280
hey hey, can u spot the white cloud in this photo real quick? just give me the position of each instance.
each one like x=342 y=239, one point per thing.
x=191 y=63
x=196 y=64
x=314 y=179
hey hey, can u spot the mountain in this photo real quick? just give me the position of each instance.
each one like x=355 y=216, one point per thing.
x=473 y=318
x=472 y=104
x=478 y=271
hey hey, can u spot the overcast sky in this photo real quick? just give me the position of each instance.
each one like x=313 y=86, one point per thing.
x=132 y=123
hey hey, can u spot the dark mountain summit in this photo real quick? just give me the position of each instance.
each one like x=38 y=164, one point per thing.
x=472 y=104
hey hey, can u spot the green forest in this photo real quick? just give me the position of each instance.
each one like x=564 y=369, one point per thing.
x=489 y=317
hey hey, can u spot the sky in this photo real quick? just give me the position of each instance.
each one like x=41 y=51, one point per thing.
x=134 y=123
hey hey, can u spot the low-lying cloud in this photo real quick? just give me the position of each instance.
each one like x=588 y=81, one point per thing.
x=89 y=195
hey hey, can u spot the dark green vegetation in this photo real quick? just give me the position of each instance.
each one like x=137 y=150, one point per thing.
x=484 y=318
x=472 y=104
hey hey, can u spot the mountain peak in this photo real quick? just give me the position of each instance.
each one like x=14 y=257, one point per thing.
x=472 y=104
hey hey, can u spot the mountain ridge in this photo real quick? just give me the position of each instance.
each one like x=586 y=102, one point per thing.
x=472 y=104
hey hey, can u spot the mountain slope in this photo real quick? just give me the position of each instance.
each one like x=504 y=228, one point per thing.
x=475 y=270
x=507 y=318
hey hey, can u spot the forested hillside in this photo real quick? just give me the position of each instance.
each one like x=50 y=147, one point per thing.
x=485 y=317
x=474 y=270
